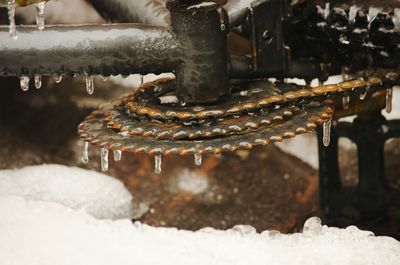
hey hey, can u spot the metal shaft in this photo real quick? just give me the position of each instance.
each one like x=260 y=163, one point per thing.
x=99 y=50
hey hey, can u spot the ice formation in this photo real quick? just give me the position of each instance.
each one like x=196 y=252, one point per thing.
x=49 y=233
x=98 y=194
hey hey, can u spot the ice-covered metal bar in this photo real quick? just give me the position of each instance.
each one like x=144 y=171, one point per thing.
x=93 y=50
x=194 y=48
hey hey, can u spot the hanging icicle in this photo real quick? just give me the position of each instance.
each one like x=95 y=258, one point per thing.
x=38 y=81
x=11 y=17
x=24 y=82
x=89 y=84
x=40 y=15
x=117 y=155
x=104 y=159
x=198 y=159
x=85 y=153
x=157 y=164
x=326 y=130
x=389 y=99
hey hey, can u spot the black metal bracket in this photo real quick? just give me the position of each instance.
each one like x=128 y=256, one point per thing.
x=372 y=197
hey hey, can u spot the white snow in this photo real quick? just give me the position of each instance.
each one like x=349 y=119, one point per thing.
x=98 y=194
x=48 y=233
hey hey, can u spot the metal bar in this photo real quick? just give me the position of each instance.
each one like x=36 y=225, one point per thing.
x=151 y=12
x=99 y=50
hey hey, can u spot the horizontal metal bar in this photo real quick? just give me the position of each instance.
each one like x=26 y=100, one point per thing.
x=100 y=50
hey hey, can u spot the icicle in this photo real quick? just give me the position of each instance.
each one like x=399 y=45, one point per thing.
x=389 y=97
x=85 y=153
x=89 y=84
x=141 y=80
x=38 y=81
x=198 y=158
x=221 y=19
x=104 y=159
x=327 y=132
x=40 y=15
x=346 y=102
x=24 y=82
x=59 y=79
x=157 y=164
x=117 y=155
x=11 y=18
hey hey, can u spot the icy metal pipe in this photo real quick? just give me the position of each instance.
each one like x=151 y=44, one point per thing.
x=93 y=50
x=152 y=12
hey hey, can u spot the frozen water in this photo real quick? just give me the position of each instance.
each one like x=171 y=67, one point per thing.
x=24 y=83
x=198 y=159
x=59 y=79
x=40 y=15
x=85 y=153
x=117 y=155
x=89 y=84
x=157 y=164
x=104 y=159
x=11 y=17
x=389 y=98
x=49 y=233
x=38 y=81
x=327 y=132
x=76 y=188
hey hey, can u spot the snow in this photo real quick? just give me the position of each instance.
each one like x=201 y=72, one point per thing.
x=34 y=232
x=98 y=194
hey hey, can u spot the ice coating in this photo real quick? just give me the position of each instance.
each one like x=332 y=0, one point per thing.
x=157 y=164
x=24 y=83
x=104 y=159
x=11 y=17
x=98 y=194
x=327 y=132
x=48 y=233
x=90 y=84
x=40 y=15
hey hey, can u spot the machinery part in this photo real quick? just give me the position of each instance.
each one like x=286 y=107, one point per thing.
x=201 y=67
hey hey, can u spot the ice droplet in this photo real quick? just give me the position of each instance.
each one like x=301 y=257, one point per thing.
x=117 y=155
x=85 y=153
x=221 y=19
x=11 y=18
x=89 y=84
x=24 y=82
x=59 y=79
x=389 y=97
x=244 y=229
x=198 y=158
x=157 y=164
x=346 y=102
x=38 y=81
x=40 y=15
x=312 y=226
x=104 y=159
x=326 y=139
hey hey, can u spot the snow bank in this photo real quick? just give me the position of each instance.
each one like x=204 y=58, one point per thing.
x=48 y=233
x=98 y=194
